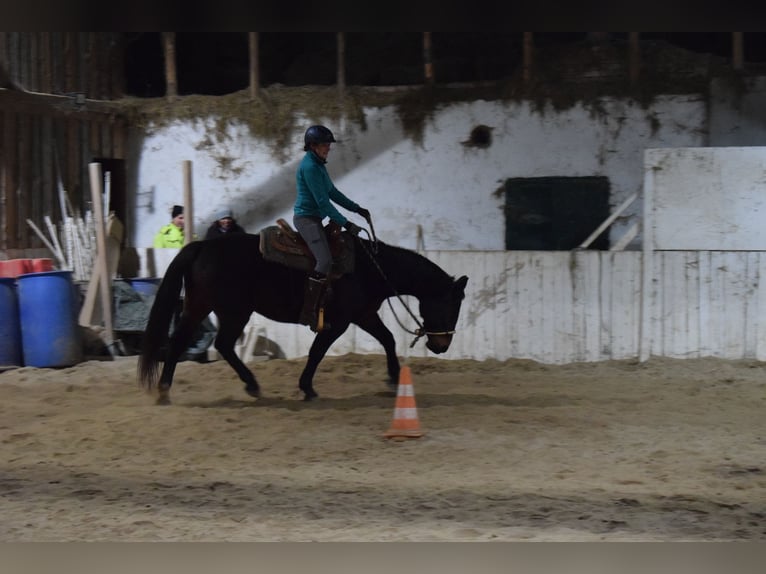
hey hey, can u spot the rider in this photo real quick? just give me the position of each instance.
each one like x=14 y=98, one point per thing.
x=313 y=203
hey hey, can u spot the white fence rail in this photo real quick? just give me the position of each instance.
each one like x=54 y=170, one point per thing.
x=583 y=306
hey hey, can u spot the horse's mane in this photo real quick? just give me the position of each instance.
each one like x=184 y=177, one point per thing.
x=408 y=264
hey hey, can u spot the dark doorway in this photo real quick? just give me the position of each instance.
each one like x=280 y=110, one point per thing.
x=555 y=213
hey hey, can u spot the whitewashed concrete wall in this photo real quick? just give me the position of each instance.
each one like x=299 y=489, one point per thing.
x=447 y=189
x=706 y=198
x=582 y=306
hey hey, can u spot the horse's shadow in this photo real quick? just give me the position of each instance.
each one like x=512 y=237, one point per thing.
x=295 y=402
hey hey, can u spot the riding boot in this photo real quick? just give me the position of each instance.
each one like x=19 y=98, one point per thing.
x=312 y=313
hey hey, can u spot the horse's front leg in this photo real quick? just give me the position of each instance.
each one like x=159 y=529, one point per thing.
x=373 y=325
x=319 y=347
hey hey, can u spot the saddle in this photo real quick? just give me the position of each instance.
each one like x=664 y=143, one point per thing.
x=282 y=244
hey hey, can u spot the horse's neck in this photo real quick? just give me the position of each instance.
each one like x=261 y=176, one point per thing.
x=409 y=272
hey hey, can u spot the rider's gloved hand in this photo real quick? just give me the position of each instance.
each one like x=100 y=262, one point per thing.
x=364 y=213
x=352 y=228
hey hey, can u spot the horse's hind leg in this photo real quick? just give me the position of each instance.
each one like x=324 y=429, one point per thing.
x=178 y=342
x=229 y=330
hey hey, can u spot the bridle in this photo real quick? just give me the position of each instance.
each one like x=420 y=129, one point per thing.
x=420 y=331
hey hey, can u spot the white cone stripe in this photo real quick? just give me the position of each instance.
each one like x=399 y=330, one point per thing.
x=405 y=391
x=405 y=413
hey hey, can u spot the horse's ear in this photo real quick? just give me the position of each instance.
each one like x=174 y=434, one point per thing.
x=461 y=283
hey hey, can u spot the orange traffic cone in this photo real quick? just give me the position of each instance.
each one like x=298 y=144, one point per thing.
x=405 y=423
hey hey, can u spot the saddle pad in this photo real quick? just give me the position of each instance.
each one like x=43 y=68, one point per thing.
x=279 y=247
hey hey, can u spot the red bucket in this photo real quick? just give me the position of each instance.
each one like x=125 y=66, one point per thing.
x=41 y=265
x=15 y=267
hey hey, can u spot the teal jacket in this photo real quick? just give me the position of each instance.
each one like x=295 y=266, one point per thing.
x=316 y=192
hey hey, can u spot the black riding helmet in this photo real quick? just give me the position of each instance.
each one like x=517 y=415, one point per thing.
x=317 y=135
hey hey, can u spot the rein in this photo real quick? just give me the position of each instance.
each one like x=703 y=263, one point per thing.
x=420 y=331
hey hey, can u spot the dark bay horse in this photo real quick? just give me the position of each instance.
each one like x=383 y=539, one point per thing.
x=230 y=277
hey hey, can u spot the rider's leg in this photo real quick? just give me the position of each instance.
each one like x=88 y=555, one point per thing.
x=313 y=233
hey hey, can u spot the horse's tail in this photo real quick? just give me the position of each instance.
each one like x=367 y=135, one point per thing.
x=155 y=337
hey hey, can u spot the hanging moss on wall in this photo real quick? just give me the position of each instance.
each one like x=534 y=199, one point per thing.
x=580 y=74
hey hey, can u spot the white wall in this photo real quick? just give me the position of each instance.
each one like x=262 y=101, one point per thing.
x=706 y=198
x=448 y=189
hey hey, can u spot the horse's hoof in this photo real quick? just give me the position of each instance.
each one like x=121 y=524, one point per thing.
x=254 y=392
x=310 y=397
x=163 y=400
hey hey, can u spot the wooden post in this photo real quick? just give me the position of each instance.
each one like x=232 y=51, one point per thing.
x=528 y=57
x=102 y=266
x=255 y=81
x=171 y=80
x=634 y=63
x=188 y=203
x=428 y=65
x=738 y=50
x=341 y=75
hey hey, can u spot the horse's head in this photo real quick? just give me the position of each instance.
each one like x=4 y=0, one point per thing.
x=440 y=316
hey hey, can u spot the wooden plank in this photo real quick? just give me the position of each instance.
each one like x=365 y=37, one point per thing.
x=705 y=339
x=46 y=70
x=10 y=178
x=26 y=195
x=759 y=312
x=71 y=49
x=102 y=265
x=733 y=318
x=512 y=264
x=47 y=178
x=717 y=304
x=69 y=162
x=532 y=306
x=625 y=286
x=579 y=311
x=692 y=303
x=750 y=299
x=119 y=139
x=605 y=308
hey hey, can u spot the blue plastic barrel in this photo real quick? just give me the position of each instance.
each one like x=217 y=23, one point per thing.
x=50 y=335
x=145 y=285
x=10 y=328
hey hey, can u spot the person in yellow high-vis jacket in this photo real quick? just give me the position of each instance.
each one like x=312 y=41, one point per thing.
x=172 y=234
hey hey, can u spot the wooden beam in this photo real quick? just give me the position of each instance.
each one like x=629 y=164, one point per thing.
x=634 y=57
x=428 y=64
x=738 y=50
x=527 y=57
x=255 y=79
x=171 y=79
x=341 y=62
